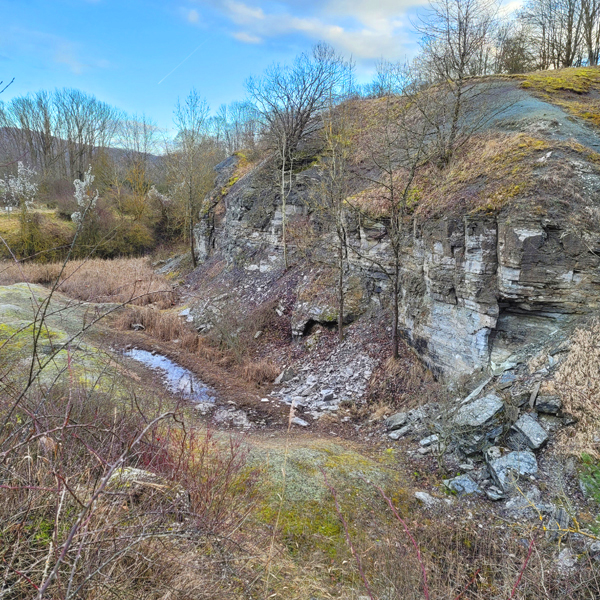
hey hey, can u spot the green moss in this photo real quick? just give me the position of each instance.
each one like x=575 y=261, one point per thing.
x=571 y=89
x=579 y=80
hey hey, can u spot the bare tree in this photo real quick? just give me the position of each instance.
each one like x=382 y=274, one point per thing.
x=396 y=147
x=590 y=25
x=138 y=138
x=192 y=158
x=237 y=126
x=336 y=184
x=456 y=37
x=86 y=124
x=558 y=29
x=288 y=98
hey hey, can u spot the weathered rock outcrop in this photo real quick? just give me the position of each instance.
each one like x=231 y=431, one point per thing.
x=477 y=287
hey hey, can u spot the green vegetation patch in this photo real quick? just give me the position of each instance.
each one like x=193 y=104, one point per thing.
x=571 y=89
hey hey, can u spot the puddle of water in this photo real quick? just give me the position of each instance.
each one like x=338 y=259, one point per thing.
x=176 y=379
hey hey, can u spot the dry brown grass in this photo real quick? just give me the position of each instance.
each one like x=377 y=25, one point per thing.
x=577 y=382
x=161 y=325
x=124 y=280
x=261 y=371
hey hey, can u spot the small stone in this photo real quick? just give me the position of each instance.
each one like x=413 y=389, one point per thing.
x=185 y=312
x=534 y=392
x=285 y=376
x=506 y=380
x=550 y=405
x=257 y=335
x=398 y=433
x=327 y=395
x=494 y=493
x=424 y=450
x=429 y=440
x=465 y=467
x=566 y=561
x=558 y=527
x=428 y=500
x=265 y=400
x=300 y=422
x=396 y=421
x=463 y=485
x=138 y=327
x=417 y=414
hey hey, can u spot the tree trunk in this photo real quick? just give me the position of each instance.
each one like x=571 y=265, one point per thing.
x=396 y=302
x=341 y=290
x=191 y=232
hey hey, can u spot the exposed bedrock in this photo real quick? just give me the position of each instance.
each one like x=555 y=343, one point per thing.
x=476 y=289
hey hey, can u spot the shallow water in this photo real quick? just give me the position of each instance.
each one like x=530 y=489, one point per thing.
x=176 y=379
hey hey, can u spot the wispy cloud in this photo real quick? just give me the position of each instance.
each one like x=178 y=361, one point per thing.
x=247 y=38
x=193 y=16
x=367 y=29
x=52 y=49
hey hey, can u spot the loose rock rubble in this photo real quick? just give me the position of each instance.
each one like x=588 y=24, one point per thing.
x=319 y=387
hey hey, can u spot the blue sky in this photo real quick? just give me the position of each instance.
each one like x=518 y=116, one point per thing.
x=135 y=54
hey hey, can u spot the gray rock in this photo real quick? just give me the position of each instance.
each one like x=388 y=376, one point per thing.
x=463 y=485
x=494 y=493
x=479 y=412
x=398 y=433
x=550 y=405
x=300 y=422
x=472 y=444
x=508 y=468
x=476 y=391
x=432 y=439
x=534 y=393
x=396 y=421
x=285 y=376
x=428 y=500
x=593 y=550
x=137 y=327
x=558 y=526
x=327 y=395
x=566 y=561
x=534 y=434
x=506 y=380
x=466 y=467
x=417 y=414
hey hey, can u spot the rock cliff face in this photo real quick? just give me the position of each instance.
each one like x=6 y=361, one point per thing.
x=477 y=287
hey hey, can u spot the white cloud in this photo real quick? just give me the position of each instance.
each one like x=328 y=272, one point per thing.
x=367 y=29
x=243 y=14
x=247 y=38
x=193 y=16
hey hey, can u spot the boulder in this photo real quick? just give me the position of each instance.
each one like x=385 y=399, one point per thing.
x=479 y=412
x=398 y=433
x=463 y=485
x=396 y=421
x=508 y=468
x=532 y=432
